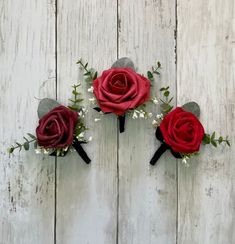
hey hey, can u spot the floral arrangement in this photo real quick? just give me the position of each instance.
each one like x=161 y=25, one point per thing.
x=120 y=89
x=180 y=131
x=59 y=128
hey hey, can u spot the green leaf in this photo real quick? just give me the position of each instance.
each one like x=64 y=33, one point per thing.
x=206 y=139
x=86 y=65
x=192 y=107
x=123 y=62
x=10 y=150
x=45 y=106
x=78 y=100
x=213 y=136
x=220 y=140
x=214 y=143
x=87 y=73
x=35 y=144
x=228 y=143
x=18 y=144
x=26 y=139
x=26 y=146
x=32 y=136
x=163 y=89
x=158 y=64
x=166 y=93
x=95 y=75
x=150 y=75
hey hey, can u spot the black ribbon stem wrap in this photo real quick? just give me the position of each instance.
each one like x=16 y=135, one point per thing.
x=121 y=119
x=162 y=149
x=77 y=145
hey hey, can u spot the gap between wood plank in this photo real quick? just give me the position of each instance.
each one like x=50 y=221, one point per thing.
x=56 y=96
x=117 y=214
x=176 y=93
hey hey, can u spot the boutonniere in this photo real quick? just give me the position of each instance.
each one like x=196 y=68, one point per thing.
x=119 y=89
x=180 y=131
x=59 y=128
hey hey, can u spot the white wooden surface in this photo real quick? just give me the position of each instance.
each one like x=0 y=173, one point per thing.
x=27 y=51
x=119 y=198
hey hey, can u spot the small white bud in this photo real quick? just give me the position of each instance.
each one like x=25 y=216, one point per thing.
x=135 y=115
x=92 y=100
x=184 y=160
x=155 y=101
x=154 y=122
x=96 y=119
x=90 y=138
x=142 y=114
x=91 y=89
x=38 y=151
x=159 y=116
x=150 y=115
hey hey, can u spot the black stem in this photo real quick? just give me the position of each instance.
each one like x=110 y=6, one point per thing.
x=159 y=153
x=121 y=123
x=77 y=145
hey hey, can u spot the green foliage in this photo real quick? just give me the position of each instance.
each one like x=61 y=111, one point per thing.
x=89 y=73
x=211 y=139
x=25 y=145
x=155 y=70
x=75 y=102
x=165 y=105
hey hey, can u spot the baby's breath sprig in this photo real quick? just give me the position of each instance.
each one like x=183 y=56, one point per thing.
x=25 y=145
x=211 y=139
x=165 y=105
x=89 y=73
x=155 y=70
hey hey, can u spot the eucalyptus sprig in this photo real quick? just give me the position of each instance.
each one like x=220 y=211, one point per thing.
x=165 y=105
x=76 y=106
x=89 y=73
x=211 y=139
x=76 y=100
x=25 y=145
x=155 y=70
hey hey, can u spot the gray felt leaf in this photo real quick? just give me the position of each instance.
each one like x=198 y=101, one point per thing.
x=192 y=107
x=46 y=105
x=123 y=63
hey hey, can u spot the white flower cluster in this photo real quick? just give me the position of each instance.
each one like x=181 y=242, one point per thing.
x=185 y=160
x=83 y=112
x=156 y=122
x=141 y=114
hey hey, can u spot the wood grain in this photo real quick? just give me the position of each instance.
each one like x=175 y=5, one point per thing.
x=86 y=194
x=147 y=194
x=27 y=44
x=205 y=48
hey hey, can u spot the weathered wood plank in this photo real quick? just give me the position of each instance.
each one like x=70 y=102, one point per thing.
x=147 y=194
x=206 y=34
x=27 y=44
x=86 y=202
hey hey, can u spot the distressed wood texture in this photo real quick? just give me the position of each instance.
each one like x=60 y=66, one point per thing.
x=147 y=194
x=205 y=68
x=27 y=44
x=86 y=194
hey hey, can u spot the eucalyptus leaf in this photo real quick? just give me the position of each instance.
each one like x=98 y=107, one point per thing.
x=192 y=107
x=123 y=63
x=26 y=146
x=45 y=106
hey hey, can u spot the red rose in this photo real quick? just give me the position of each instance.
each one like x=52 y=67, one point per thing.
x=56 y=128
x=182 y=131
x=120 y=89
